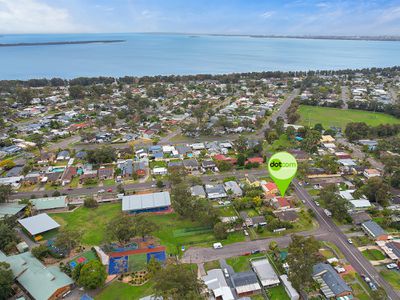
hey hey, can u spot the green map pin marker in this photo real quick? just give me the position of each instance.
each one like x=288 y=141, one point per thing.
x=282 y=167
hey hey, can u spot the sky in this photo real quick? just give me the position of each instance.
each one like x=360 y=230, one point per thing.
x=269 y=17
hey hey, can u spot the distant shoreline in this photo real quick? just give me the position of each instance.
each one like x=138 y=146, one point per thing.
x=61 y=43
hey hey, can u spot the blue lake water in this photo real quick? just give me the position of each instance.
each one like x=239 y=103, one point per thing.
x=164 y=54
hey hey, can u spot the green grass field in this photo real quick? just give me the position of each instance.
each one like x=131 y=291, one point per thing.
x=373 y=254
x=122 y=291
x=393 y=277
x=91 y=222
x=209 y=265
x=327 y=116
x=278 y=293
x=242 y=263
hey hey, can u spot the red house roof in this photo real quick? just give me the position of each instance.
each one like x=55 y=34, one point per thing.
x=283 y=202
x=253 y=160
x=270 y=186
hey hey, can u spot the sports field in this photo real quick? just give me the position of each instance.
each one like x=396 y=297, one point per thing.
x=327 y=116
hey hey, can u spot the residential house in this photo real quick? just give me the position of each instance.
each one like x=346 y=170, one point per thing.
x=270 y=188
x=160 y=171
x=105 y=173
x=15 y=171
x=246 y=219
x=369 y=143
x=258 y=221
x=246 y=283
x=215 y=191
x=255 y=160
x=280 y=203
x=37 y=280
x=126 y=167
x=208 y=165
x=191 y=165
x=360 y=217
x=233 y=188
x=265 y=272
x=374 y=231
x=63 y=155
x=252 y=180
x=331 y=284
x=287 y=215
x=175 y=164
x=183 y=150
x=68 y=174
x=369 y=173
x=216 y=284
x=198 y=191
x=139 y=167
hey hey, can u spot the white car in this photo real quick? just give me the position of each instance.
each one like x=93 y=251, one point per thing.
x=217 y=246
x=101 y=191
x=391 y=266
x=226 y=272
x=245 y=232
x=316 y=203
x=350 y=241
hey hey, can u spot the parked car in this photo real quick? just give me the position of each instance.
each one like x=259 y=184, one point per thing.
x=350 y=241
x=226 y=272
x=372 y=286
x=101 y=191
x=245 y=232
x=255 y=251
x=391 y=266
x=366 y=278
x=217 y=246
x=109 y=190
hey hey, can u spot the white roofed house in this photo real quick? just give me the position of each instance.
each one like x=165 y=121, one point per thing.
x=265 y=272
x=216 y=284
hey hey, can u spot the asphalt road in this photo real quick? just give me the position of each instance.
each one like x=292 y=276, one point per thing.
x=336 y=236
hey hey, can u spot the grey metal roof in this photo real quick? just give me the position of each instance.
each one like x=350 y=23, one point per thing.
x=10 y=209
x=335 y=283
x=374 y=228
x=198 y=190
x=265 y=272
x=395 y=246
x=234 y=187
x=145 y=201
x=192 y=163
x=244 y=278
x=38 y=224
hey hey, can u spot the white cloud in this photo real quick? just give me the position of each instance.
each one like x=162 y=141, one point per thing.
x=34 y=16
x=267 y=14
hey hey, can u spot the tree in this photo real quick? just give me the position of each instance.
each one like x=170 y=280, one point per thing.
x=92 y=275
x=241 y=159
x=120 y=228
x=76 y=272
x=76 y=92
x=90 y=202
x=328 y=163
x=143 y=226
x=38 y=139
x=7 y=164
x=335 y=204
x=376 y=190
x=319 y=127
x=177 y=282
x=40 y=251
x=311 y=141
x=7 y=235
x=357 y=130
x=153 y=266
x=220 y=231
x=159 y=183
x=67 y=239
x=273 y=245
x=5 y=192
x=302 y=256
x=105 y=154
x=6 y=281
x=181 y=199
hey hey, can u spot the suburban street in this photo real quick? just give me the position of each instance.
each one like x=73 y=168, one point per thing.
x=336 y=236
x=327 y=231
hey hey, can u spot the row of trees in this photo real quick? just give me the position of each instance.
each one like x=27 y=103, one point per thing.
x=360 y=130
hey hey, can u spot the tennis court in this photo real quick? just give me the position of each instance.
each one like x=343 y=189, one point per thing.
x=83 y=258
